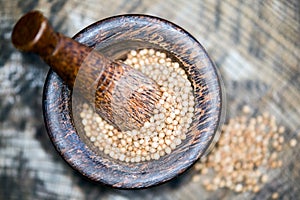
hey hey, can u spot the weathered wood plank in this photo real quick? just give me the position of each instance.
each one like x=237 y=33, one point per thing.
x=256 y=46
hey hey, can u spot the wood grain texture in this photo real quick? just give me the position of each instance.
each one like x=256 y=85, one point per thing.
x=255 y=45
x=109 y=86
x=132 y=32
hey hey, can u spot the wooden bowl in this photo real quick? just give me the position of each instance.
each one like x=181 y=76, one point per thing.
x=114 y=37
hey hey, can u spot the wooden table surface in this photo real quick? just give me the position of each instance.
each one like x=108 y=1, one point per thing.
x=255 y=44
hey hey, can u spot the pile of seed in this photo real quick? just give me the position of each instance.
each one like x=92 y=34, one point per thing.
x=247 y=150
x=166 y=128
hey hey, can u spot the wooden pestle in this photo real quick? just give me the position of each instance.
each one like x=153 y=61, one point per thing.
x=120 y=94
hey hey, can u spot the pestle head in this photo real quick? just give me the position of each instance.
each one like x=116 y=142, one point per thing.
x=120 y=94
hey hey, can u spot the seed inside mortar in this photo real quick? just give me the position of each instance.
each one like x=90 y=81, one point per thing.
x=165 y=130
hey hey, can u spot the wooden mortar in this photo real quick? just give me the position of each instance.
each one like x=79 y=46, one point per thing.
x=122 y=95
x=114 y=37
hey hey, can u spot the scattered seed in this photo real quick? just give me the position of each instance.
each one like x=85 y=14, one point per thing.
x=275 y=195
x=247 y=149
x=293 y=142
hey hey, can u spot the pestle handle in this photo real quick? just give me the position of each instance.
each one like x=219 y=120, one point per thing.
x=121 y=95
x=33 y=33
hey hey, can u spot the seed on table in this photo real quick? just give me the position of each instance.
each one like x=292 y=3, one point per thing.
x=123 y=150
x=129 y=140
x=204 y=171
x=246 y=109
x=281 y=129
x=256 y=189
x=275 y=195
x=293 y=142
x=264 y=178
x=279 y=163
x=247 y=149
x=279 y=147
x=209 y=187
x=281 y=139
x=196 y=178
x=238 y=187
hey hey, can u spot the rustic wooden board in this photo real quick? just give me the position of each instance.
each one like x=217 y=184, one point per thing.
x=256 y=46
